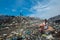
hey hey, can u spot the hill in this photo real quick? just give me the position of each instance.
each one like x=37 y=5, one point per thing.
x=55 y=19
x=15 y=23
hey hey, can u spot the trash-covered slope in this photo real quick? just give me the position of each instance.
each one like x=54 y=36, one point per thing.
x=15 y=23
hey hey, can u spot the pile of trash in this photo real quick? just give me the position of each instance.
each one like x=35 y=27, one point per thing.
x=28 y=28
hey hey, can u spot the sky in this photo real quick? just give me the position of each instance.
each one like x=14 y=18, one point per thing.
x=33 y=8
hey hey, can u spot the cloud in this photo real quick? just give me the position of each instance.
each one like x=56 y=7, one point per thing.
x=50 y=9
x=13 y=10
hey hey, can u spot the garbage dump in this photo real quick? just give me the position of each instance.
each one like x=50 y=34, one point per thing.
x=27 y=28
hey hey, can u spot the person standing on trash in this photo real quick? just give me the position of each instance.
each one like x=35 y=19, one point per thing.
x=43 y=26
